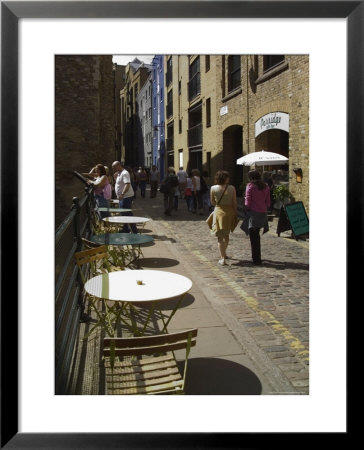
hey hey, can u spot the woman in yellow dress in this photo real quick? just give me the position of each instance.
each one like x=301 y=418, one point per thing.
x=224 y=218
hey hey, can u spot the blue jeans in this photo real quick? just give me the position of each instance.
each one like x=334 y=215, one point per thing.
x=142 y=185
x=127 y=203
x=101 y=202
x=189 y=202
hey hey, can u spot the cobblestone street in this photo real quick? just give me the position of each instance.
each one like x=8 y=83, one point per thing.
x=266 y=308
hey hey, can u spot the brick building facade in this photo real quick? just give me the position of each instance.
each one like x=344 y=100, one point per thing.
x=144 y=128
x=221 y=107
x=85 y=124
x=136 y=75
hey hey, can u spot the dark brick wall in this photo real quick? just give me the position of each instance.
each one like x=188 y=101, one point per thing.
x=84 y=122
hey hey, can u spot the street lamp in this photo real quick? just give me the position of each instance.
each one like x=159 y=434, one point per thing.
x=299 y=175
x=155 y=128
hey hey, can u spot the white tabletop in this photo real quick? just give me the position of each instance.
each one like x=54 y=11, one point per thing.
x=122 y=285
x=126 y=219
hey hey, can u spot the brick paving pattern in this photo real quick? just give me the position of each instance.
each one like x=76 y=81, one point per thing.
x=265 y=307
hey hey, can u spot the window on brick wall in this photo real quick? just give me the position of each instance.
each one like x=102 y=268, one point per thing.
x=194 y=84
x=208 y=112
x=169 y=71
x=234 y=72
x=271 y=61
x=170 y=103
x=207 y=63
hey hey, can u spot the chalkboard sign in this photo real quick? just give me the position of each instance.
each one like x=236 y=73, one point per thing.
x=296 y=214
x=283 y=222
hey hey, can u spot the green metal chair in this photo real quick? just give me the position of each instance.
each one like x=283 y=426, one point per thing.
x=157 y=374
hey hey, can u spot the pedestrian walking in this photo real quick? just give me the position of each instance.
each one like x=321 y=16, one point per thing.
x=154 y=180
x=132 y=175
x=196 y=191
x=142 y=176
x=223 y=219
x=188 y=193
x=168 y=187
x=175 y=200
x=182 y=180
x=205 y=191
x=257 y=202
x=124 y=192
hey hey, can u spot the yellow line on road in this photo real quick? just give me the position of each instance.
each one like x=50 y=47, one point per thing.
x=294 y=343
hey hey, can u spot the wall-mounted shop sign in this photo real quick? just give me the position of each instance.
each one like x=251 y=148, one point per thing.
x=223 y=110
x=275 y=120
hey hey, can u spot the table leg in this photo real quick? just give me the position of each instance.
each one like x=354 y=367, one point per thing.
x=103 y=318
x=165 y=324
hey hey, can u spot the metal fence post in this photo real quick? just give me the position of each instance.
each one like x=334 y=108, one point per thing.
x=77 y=222
x=88 y=193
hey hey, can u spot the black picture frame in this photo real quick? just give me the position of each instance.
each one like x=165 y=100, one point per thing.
x=11 y=12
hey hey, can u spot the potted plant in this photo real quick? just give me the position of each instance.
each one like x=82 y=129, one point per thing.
x=282 y=196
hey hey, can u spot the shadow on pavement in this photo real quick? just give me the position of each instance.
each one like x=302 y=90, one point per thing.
x=156 y=237
x=145 y=230
x=279 y=265
x=157 y=263
x=170 y=304
x=216 y=376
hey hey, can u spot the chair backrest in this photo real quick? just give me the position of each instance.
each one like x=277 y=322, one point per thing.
x=157 y=374
x=91 y=257
x=90 y=244
x=149 y=345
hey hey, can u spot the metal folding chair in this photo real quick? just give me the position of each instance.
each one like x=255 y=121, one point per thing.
x=157 y=374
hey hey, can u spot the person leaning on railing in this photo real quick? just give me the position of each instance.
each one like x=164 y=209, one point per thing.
x=100 y=180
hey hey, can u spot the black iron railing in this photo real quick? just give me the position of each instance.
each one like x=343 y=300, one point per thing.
x=194 y=86
x=195 y=135
x=170 y=144
x=169 y=109
x=68 y=288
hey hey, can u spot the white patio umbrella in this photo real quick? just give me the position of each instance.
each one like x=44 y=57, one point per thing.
x=262 y=158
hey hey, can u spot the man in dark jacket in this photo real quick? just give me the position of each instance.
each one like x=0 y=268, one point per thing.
x=171 y=183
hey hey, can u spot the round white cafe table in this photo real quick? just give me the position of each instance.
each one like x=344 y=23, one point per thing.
x=123 y=286
x=126 y=219
x=113 y=221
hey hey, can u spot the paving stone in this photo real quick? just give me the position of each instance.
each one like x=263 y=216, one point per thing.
x=255 y=324
x=278 y=291
x=294 y=366
x=300 y=383
x=276 y=348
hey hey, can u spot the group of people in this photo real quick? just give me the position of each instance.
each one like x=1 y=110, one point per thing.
x=224 y=219
x=189 y=186
x=118 y=186
x=194 y=189
x=222 y=196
